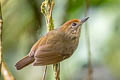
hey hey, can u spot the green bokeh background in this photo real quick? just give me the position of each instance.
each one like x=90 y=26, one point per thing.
x=23 y=25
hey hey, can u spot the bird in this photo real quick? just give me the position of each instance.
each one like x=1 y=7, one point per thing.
x=55 y=46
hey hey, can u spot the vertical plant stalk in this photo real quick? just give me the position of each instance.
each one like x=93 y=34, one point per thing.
x=90 y=70
x=0 y=39
x=46 y=9
x=6 y=74
x=56 y=68
x=3 y=68
x=44 y=74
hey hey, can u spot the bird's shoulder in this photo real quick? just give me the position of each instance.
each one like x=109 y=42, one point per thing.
x=50 y=38
x=54 y=35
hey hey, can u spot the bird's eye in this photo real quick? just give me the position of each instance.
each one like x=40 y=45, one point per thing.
x=74 y=24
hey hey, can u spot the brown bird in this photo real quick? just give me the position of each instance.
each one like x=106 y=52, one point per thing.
x=55 y=46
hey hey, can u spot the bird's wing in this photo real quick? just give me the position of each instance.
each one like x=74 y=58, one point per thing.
x=51 y=52
x=40 y=42
x=46 y=55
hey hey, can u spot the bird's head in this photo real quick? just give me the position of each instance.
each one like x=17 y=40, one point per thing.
x=73 y=26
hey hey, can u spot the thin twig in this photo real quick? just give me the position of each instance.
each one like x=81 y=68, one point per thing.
x=46 y=9
x=0 y=38
x=90 y=70
x=44 y=74
x=0 y=47
x=56 y=68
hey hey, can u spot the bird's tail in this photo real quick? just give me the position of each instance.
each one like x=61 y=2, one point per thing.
x=24 y=62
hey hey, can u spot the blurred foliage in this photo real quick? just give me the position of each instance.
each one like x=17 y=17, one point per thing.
x=24 y=24
x=112 y=56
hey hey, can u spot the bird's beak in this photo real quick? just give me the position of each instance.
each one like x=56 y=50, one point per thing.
x=84 y=20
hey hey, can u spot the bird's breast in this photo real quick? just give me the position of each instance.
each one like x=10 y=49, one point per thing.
x=70 y=46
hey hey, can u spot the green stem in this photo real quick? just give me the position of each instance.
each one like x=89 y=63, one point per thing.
x=46 y=9
x=56 y=68
x=0 y=38
x=3 y=67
